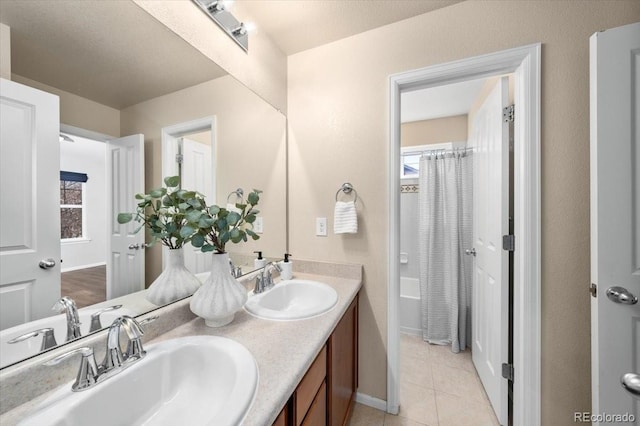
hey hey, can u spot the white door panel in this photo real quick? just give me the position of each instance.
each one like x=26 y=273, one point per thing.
x=125 y=177
x=615 y=215
x=30 y=205
x=197 y=175
x=490 y=139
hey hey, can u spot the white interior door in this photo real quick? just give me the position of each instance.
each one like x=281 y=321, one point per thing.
x=30 y=204
x=490 y=321
x=125 y=179
x=197 y=175
x=615 y=218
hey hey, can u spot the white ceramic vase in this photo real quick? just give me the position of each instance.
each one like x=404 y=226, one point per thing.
x=221 y=295
x=175 y=282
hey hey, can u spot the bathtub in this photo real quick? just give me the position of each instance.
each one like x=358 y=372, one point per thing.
x=410 y=318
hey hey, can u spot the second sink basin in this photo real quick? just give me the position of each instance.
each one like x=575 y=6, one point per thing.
x=292 y=300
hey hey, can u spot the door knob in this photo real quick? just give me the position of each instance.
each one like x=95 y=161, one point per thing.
x=47 y=263
x=631 y=382
x=470 y=252
x=621 y=295
x=134 y=246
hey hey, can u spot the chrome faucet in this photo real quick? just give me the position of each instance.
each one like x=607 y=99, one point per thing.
x=236 y=271
x=67 y=305
x=114 y=356
x=90 y=373
x=264 y=281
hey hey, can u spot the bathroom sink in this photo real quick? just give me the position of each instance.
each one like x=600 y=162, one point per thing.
x=197 y=380
x=18 y=351
x=292 y=300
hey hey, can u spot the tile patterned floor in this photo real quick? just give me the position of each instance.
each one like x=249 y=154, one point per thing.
x=437 y=388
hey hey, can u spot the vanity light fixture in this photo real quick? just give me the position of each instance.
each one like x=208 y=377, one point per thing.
x=235 y=29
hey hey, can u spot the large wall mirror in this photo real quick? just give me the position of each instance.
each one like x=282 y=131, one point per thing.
x=136 y=103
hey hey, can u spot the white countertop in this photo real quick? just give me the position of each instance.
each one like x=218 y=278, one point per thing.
x=283 y=350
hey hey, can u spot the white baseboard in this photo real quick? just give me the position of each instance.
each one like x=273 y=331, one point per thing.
x=411 y=331
x=371 y=401
x=75 y=268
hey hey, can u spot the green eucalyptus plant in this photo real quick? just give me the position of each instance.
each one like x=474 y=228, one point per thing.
x=168 y=212
x=213 y=226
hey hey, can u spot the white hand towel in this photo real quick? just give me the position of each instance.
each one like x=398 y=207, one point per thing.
x=345 y=219
x=233 y=208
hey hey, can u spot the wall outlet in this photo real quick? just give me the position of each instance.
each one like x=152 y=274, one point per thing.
x=258 y=225
x=321 y=226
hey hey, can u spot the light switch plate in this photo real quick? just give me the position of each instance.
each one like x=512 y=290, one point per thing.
x=258 y=225
x=321 y=226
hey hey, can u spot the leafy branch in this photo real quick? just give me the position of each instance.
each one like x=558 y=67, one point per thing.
x=215 y=226
x=166 y=212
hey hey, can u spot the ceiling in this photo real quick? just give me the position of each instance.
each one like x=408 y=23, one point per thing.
x=116 y=54
x=438 y=102
x=112 y=52
x=297 y=25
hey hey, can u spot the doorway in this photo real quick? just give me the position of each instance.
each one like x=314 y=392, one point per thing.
x=525 y=64
x=454 y=174
x=111 y=182
x=189 y=151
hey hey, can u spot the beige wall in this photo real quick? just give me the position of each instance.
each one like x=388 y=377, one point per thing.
x=250 y=152
x=263 y=69
x=338 y=118
x=437 y=130
x=488 y=85
x=80 y=112
x=5 y=52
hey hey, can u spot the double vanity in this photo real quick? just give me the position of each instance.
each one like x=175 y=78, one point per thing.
x=288 y=358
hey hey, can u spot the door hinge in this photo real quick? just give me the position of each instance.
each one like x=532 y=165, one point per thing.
x=507 y=371
x=179 y=158
x=509 y=242
x=593 y=289
x=508 y=113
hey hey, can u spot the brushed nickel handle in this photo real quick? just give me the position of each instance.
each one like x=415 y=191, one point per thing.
x=48 y=338
x=95 y=318
x=134 y=246
x=148 y=320
x=88 y=371
x=47 y=263
x=631 y=382
x=470 y=252
x=621 y=295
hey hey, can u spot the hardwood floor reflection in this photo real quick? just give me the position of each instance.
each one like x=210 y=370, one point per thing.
x=85 y=286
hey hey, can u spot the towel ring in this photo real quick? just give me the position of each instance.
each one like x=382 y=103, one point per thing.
x=238 y=193
x=347 y=188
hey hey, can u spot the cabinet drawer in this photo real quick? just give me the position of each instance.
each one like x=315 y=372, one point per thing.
x=311 y=382
x=317 y=414
x=283 y=419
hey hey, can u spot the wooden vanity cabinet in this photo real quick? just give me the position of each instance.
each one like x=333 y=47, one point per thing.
x=342 y=372
x=283 y=418
x=317 y=414
x=325 y=394
x=312 y=384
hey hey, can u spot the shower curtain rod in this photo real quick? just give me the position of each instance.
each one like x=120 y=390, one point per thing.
x=437 y=151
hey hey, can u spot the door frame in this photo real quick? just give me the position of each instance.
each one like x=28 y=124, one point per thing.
x=525 y=62
x=169 y=138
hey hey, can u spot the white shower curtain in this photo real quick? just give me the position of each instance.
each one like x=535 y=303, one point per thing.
x=445 y=231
